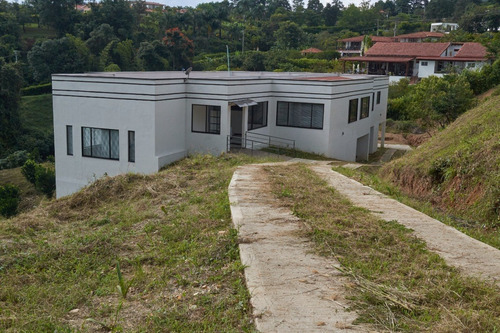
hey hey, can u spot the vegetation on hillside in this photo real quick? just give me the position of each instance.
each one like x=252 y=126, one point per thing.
x=459 y=168
x=170 y=234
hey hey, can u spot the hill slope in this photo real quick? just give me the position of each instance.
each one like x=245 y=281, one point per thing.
x=459 y=168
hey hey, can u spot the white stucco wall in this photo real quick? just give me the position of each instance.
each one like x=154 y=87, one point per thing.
x=75 y=172
x=426 y=71
x=160 y=112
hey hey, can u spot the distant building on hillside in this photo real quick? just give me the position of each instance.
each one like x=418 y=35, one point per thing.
x=420 y=60
x=443 y=27
x=311 y=50
x=353 y=46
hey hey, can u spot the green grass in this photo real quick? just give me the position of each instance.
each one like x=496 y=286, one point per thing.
x=32 y=31
x=459 y=168
x=295 y=153
x=30 y=198
x=396 y=283
x=172 y=235
x=369 y=176
x=36 y=113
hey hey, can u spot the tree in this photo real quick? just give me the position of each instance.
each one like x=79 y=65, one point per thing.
x=100 y=37
x=153 y=56
x=180 y=48
x=10 y=86
x=64 y=55
x=118 y=14
x=332 y=12
x=59 y=14
x=315 y=6
x=289 y=35
x=440 y=100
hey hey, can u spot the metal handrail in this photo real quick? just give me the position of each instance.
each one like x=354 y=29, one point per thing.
x=271 y=140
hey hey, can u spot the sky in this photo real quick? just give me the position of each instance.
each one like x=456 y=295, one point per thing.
x=194 y=3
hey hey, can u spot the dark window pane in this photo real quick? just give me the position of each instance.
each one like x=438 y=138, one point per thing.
x=353 y=110
x=131 y=146
x=86 y=142
x=282 y=117
x=365 y=107
x=69 y=140
x=115 y=145
x=101 y=143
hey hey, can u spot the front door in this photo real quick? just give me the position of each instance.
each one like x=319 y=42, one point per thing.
x=236 y=125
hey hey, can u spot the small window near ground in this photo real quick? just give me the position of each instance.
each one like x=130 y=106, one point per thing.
x=131 y=146
x=365 y=107
x=205 y=119
x=100 y=143
x=303 y=115
x=423 y=63
x=69 y=140
x=257 y=116
x=378 y=97
x=353 y=110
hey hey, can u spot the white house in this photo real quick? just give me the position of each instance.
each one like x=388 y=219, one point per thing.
x=444 y=27
x=421 y=60
x=113 y=123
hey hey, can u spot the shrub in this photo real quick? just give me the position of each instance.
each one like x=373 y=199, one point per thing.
x=14 y=160
x=9 y=200
x=45 y=180
x=29 y=170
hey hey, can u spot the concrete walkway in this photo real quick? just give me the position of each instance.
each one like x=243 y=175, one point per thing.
x=471 y=256
x=292 y=290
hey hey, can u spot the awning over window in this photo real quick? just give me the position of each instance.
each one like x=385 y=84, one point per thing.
x=244 y=102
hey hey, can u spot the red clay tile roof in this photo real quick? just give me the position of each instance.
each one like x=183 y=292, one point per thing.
x=421 y=34
x=407 y=49
x=472 y=50
x=379 y=59
x=375 y=39
x=311 y=50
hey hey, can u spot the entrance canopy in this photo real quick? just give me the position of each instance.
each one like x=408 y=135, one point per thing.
x=244 y=102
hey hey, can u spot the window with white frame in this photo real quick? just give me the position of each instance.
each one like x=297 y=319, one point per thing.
x=424 y=63
x=303 y=115
x=205 y=119
x=257 y=116
x=100 y=143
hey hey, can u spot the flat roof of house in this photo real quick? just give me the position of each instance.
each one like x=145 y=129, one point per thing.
x=220 y=75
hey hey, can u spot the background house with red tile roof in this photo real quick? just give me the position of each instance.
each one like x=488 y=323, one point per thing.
x=419 y=60
x=310 y=50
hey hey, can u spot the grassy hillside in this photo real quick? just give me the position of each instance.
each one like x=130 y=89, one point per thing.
x=29 y=196
x=458 y=169
x=172 y=234
x=36 y=113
